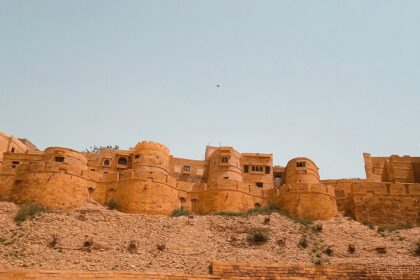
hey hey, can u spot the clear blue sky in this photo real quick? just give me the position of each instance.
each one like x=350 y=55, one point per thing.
x=323 y=79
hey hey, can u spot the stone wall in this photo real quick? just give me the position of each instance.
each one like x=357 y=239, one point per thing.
x=312 y=201
x=395 y=169
x=147 y=179
x=147 y=196
x=230 y=196
x=388 y=204
x=95 y=275
x=333 y=271
x=225 y=270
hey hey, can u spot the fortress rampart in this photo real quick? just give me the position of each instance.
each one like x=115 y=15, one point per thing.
x=147 y=179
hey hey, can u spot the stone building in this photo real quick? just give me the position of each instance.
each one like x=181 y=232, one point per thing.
x=148 y=179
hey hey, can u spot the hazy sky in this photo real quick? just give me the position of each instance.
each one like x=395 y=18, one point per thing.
x=324 y=79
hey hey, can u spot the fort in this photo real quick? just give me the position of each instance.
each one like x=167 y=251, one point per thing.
x=148 y=179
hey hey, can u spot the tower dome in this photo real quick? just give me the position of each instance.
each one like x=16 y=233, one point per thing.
x=301 y=170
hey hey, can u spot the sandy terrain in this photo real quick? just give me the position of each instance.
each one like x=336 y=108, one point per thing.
x=185 y=244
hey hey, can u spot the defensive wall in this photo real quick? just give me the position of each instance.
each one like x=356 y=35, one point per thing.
x=226 y=270
x=378 y=202
x=147 y=179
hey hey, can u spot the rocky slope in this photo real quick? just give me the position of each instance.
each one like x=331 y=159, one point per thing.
x=94 y=238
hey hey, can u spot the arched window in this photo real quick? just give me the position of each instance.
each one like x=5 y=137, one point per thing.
x=122 y=161
x=12 y=150
x=106 y=162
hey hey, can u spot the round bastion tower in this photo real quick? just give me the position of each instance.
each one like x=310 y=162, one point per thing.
x=150 y=158
x=224 y=164
x=56 y=181
x=148 y=188
x=301 y=170
x=224 y=178
x=302 y=194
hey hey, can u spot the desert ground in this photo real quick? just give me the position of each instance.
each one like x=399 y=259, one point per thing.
x=96 y=238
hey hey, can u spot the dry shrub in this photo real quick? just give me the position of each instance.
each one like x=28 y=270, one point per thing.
x=28 y=210
x=257 y=235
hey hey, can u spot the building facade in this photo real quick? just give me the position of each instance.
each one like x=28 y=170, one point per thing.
x=148 y=179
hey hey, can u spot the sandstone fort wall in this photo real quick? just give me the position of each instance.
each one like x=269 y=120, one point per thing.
x=147 y=179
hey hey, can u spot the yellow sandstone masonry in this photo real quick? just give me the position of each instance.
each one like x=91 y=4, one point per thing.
x=147 y=179
x=224 y=270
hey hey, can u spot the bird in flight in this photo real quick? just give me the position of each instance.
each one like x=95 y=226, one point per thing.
x=217 y=85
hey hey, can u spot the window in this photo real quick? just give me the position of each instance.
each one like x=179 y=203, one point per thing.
x=12 y=150
x=259 y=184
x=226 y=178
x=137 y=156
x=246 y=168
x=267 y=170
x=123 y=161
x=15 y=163
x=106 y=162
x=257 y=168
x=225 y=159
x=300 y=164
x=186 y=168
x=59 y=159
x=93 y=169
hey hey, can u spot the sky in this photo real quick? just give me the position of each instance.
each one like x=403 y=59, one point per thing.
x=328 y=80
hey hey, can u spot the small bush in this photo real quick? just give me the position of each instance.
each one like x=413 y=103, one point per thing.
x=329 y=250
x=318 y=261
x=303 y=243
x=257 y=236
x=112 y=204
x=351 y=248
x=281 y=242
x=417 y=250
x=390 y=228
x=381 y=229
x=266 y=210
x=317 y=228
x=133 y=246
x=87 y=244
x=230 y=214
x=296 y=219
x=180 y=212
x=381 y=250
x=368 y=224
x=54 y=242
x=161 y=247
x=28 y=210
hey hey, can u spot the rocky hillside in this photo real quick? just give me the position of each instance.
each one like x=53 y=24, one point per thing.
x=94 y=238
